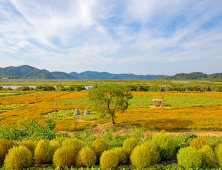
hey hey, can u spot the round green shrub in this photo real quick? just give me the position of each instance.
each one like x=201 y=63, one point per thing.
x=140 y=156
x=41 y=152
x=28 y=144
x=99 y=146
x=218 y=153
x=189 y=157
x=208 y=155
x=165 y=144
x=5 y=145
x=52 y=147
x=18 y=158
x=129 y=145
x=86 y=157
x=152 y=148
x=109 y=159
x=73 y=142
x=121 y=153
x=198 y=143
x=65 y=157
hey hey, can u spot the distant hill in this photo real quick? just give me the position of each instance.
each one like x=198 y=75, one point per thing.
x=61 y=75
x=193 y=75
x=29 y=72
x=215 y=76
x=105 y=75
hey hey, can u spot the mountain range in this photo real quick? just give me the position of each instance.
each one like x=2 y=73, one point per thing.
x=29 y=72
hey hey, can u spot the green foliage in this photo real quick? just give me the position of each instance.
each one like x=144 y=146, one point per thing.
x=24 y=88
x=111 y=98
x=121 y=153
x=193 y=75
x=70 y=88
x=99 y=146
x=65 y=157
x=189 y=157
x=28 y=129
x=5 y=145
x=218 y=153
x=62 y=115
x=45 y=88
x=11 y=107
x=165 y=144
x=208 y=155
x=86 y=157
x=150 y=147
x=41 y=152
x=18 y=158
x=129 y=145
x=145 y=100
x=73 y=142
x=109 y=159
x=183 y=140
x=28 y=144
x=198 y=143
x=140 y=156
x=52 y=147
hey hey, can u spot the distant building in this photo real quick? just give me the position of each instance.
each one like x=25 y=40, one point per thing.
x=5 y=78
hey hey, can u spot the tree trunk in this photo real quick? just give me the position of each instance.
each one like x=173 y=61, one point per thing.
x=113 y=122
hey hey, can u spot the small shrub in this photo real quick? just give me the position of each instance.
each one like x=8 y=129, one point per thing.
x=18 y=157
x=53 y=146
x=189 y=157
x=140 y=157
x=121 y=153
x=165 y=144
x=28 y=144
x=65 y=157
x=129 y=145
x=99 y=146
x=109 y=159
x=5 y=145
x=208 y=155
x=86 y=157
x=41 y=152
x=198 y=143
x=152 y=148
x=78 y=144
x=218 y=153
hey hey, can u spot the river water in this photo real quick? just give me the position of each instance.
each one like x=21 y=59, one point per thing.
x=15 y=87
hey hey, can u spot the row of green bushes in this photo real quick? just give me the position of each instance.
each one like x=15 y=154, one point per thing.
x=48 y=88
x=75 y=153
x=179 y=87
x=153 y=88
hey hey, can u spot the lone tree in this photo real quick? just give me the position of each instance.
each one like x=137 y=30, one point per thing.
x=163 y=84
x=111 y=98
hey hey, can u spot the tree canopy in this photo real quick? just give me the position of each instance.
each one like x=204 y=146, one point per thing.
x=111 y=98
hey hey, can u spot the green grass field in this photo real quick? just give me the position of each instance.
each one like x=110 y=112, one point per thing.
x=170 y=100
x=10 y=107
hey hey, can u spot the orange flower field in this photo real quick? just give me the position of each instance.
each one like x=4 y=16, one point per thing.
x=170 y=119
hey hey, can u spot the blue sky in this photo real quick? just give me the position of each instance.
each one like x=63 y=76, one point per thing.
x=116 y=36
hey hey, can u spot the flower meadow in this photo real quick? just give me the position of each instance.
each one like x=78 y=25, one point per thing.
x=37 y=105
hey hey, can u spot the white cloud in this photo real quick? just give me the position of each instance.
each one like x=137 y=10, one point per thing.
x=58 y=34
